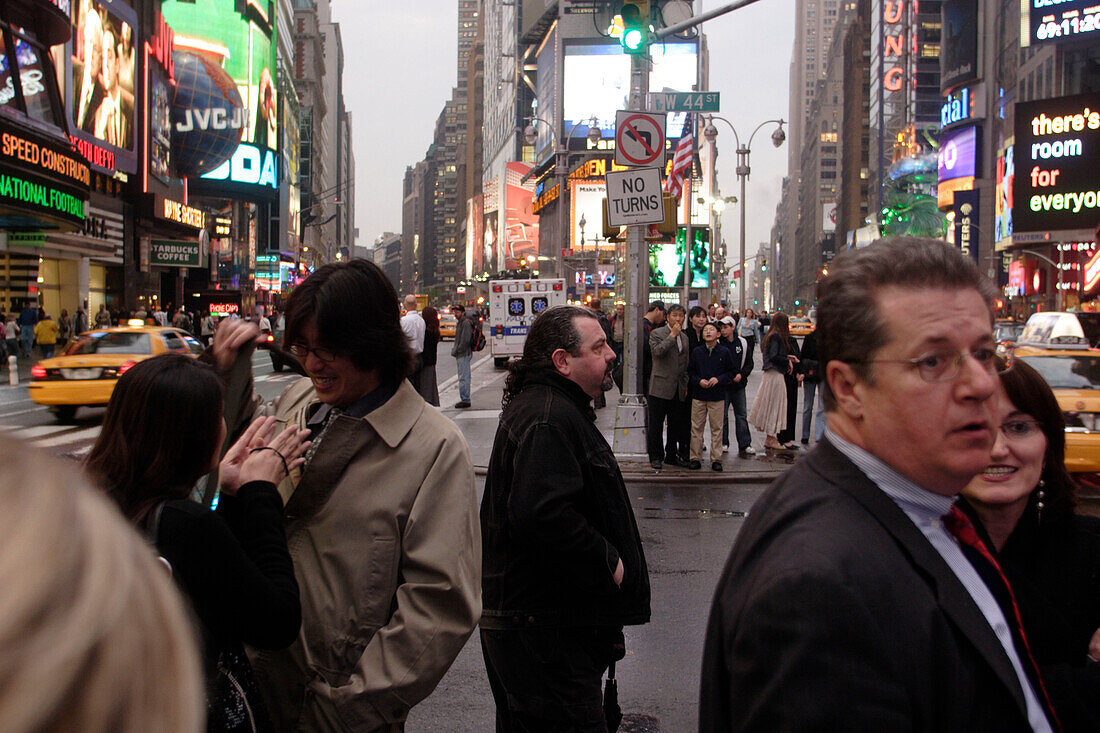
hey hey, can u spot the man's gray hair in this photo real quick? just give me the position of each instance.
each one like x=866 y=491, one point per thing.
x=850 y=327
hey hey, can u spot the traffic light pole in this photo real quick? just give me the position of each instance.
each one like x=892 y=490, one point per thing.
x=630 y=413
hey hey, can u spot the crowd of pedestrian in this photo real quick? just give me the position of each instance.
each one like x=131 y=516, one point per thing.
x=920 y=569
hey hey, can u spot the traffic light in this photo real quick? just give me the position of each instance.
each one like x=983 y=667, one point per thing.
x=763 y=264
x=635 y=34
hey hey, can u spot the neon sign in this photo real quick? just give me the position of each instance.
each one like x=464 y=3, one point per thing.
x=249 y=165
x=894 y=44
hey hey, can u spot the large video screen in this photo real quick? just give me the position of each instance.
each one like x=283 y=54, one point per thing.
x=666 y=260
x=1063 y=20
x=239 y=36
x=101 y=92
x=521 y=224
x=597 y=82
x=1056 y=187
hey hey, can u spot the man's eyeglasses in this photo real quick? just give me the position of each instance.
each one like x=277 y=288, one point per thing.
x=945 y=364
x=301 y=351
x=1020 y=429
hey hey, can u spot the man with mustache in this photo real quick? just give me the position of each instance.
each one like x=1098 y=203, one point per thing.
x=563 y=568
x=853 y=598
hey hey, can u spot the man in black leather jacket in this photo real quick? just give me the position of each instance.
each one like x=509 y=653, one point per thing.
x=562 y=562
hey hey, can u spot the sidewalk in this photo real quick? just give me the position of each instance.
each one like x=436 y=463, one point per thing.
x=479 y=424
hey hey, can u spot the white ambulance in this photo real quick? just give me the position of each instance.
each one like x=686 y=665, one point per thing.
x=513 y=307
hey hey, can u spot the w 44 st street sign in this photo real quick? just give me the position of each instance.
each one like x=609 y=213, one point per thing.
x=683 y=101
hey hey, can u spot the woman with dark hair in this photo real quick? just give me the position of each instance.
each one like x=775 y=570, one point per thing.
x=1025 y=502
x=429 y=389
x=792 y=380
x=769 y=409
x=232 y=563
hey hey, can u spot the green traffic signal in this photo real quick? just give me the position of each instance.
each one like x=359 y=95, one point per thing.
x=634 y=36
x=632 y=39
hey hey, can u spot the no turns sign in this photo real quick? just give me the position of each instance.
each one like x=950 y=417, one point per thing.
x=634 y=197
x=639 y=137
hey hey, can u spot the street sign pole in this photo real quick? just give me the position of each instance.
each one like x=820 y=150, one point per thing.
x=630 y=414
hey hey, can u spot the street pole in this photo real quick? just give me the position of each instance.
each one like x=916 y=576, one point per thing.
x=630 y=413
x=743 y=174
x=688 y=237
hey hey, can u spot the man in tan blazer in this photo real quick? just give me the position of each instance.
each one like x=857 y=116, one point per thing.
x=668 y=384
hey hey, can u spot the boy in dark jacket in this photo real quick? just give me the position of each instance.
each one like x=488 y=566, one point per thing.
x=740 y=350
x=710 y=372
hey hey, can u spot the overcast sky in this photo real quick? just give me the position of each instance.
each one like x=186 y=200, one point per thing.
x=399 y=68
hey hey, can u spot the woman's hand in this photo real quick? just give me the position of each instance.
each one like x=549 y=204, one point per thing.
x=256 y=456
x=229 y=337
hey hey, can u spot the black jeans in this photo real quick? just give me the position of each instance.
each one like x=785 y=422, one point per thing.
x=787 y=434
x=548 y=680
x=678 y=432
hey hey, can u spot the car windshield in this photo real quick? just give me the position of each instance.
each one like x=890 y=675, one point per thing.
x=114 y=342
x=1007 y=331
x=1068 y=372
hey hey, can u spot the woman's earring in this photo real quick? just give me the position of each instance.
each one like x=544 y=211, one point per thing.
x=1039 y=504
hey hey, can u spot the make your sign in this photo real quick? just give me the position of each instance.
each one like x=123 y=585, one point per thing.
x=634 y=197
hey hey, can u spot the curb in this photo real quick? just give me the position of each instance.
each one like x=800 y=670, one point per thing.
x=692 y=478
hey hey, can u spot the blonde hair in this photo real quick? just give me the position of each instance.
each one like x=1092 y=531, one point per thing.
x=93 y=634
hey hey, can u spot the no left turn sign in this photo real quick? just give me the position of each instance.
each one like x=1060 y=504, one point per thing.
x=639 y=137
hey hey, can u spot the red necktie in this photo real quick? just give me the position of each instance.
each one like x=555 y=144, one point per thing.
x=959 y=525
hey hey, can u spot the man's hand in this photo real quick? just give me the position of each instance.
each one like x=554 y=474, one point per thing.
x=229 y=337
x=1094 y=644
x=674 y=329
x=737 y=377
x=619 y=571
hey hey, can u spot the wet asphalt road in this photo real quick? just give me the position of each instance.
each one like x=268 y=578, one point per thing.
x=687 y=533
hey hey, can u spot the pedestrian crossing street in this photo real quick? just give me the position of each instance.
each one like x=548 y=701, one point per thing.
x=35 y=425
x=75 y=440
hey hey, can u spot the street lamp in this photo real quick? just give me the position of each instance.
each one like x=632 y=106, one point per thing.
x=561 y=165
x=717 y=247
x=710 y=132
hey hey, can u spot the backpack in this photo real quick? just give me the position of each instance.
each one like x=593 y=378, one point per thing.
x=477 y=340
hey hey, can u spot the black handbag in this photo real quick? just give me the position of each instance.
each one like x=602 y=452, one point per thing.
x=233 y=701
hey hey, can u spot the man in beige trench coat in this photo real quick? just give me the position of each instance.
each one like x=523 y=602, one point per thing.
x=381 y=522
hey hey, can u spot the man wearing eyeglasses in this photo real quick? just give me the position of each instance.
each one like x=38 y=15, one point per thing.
x=847 y=602
x=381 y=521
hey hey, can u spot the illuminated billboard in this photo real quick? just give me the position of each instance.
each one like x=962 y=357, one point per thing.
x=597 y=83
x=666 y=261
x=100 y=95
x=1057 y=186
x=239 y=37
x=1002 y=212
x=1062 y=20
x=958 y=155
x=521 y=224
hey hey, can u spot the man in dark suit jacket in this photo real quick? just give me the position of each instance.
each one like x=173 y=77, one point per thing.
x=668 y=389
x=846 y=603
x=88 y=90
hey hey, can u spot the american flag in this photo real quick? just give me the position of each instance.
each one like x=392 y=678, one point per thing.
x=681 y=161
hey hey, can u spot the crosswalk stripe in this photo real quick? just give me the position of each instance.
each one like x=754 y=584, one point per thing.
x=40 y=431
x=80 y=435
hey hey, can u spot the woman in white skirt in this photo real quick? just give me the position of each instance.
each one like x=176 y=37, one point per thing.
x=769 y=409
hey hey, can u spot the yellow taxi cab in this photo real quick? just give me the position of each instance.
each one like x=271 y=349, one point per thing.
x=1056 y=346
x=800 y=326
x=447 y=323
x=86 y=371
